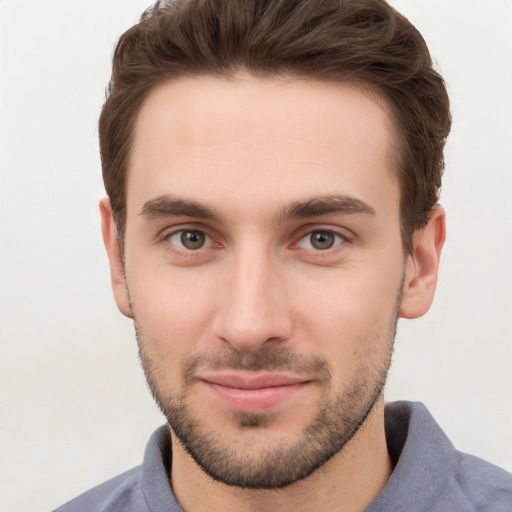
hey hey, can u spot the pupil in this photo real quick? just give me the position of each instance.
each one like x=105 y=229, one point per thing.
x=322 y=240
x=192 y=239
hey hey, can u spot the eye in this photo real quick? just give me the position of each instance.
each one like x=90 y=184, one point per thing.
x=190 y=239
x=320 y=240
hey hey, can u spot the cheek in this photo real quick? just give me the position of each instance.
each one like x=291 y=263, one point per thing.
x=349 y=298
x=350 y=317
x=172 y=311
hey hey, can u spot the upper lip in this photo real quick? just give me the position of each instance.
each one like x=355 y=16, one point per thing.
x=258 y=381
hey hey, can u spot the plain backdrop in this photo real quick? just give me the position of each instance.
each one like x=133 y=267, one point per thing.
x=74 y=404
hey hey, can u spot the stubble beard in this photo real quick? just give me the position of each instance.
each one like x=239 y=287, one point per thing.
x=335 y=423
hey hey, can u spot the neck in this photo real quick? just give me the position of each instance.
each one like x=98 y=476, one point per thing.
x=349 y=482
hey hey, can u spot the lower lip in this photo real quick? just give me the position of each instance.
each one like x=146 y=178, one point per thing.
x=254 y=400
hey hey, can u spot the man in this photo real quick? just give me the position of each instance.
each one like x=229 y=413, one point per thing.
x=272 y=171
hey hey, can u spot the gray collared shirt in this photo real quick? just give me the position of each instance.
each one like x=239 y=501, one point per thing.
x=429 y=475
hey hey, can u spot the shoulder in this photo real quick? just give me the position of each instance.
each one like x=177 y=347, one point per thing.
x=485 y=486
x=121 y=493
x=140 y=489
x=430 y=475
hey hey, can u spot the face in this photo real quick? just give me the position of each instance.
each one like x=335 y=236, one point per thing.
x=264 y=268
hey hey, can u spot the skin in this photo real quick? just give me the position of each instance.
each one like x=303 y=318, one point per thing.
x=244 y=152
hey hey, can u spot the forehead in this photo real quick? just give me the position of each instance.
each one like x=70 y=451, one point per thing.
x=269 y=140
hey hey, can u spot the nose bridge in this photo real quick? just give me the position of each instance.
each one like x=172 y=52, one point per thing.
x=254 y=308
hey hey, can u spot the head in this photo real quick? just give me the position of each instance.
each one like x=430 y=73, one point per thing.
x=273 y=174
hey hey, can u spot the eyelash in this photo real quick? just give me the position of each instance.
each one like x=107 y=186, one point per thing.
x=167 y=236
x=340 y=240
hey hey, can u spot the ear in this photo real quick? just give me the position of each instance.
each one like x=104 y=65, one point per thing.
x=117 y=274
x=422 y=266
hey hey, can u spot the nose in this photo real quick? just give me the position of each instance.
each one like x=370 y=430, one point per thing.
x=253 y=308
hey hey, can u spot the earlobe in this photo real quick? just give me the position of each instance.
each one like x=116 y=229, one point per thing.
x=422 y=266
x=117 y=273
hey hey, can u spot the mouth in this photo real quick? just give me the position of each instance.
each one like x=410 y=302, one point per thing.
x=253 y=393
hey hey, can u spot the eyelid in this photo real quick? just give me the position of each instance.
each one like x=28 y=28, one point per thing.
x=165 y=235
x=182 y=226
x=208 y=242
x=342 y=232
x=341 y=240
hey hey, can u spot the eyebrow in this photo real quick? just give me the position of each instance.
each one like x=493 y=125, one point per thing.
x=325 y=205
x=171 y=206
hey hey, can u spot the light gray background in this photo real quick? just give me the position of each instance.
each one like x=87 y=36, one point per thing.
x=74 y=406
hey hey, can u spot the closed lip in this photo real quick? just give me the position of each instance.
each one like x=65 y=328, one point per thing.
x=257 y=381
x=253 y=393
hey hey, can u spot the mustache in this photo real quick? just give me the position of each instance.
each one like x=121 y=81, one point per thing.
x=267 y=358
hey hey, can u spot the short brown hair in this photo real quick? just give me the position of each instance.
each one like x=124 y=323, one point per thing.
x=336 y=40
